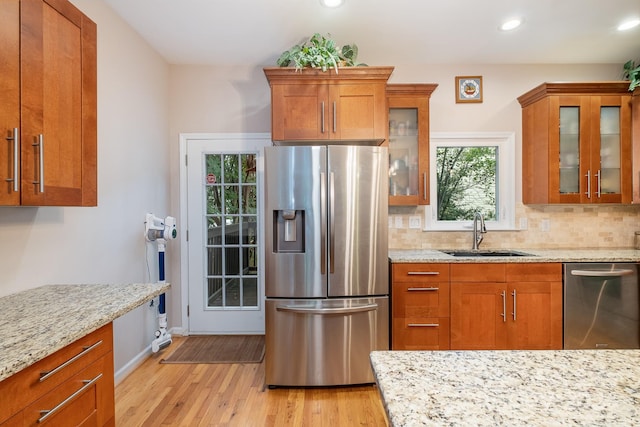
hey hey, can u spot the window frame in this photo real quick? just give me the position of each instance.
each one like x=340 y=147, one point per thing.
x=505 y=182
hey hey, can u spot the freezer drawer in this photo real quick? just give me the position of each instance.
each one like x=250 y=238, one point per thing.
x=324 y=342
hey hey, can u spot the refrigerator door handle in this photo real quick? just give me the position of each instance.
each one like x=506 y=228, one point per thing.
x=305 y=309
x=332 y=229
x=323 y=221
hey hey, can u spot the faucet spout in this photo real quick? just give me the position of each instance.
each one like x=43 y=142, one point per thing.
x=478 y=218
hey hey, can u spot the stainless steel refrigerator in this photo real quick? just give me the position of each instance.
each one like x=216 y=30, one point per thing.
x=326 y=281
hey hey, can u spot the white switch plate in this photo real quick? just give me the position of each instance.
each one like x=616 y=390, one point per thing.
x=523 y=224
x=399 y=222
x=544 y=225
x=414 y=222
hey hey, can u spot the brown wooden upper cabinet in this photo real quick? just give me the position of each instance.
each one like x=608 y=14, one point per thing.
x=312 y=105
x=48 y=113
x=576 y=143
x=408 y=143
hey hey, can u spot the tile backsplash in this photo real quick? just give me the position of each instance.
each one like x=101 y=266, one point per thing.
x=548 y=227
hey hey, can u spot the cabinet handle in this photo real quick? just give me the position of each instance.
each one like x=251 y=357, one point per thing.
x=423 y=273
x=598 y=193
x=322 y=117
x=504 y=306
x=335 y=117
x=513 y=294
x=588 y=175
x=85 y=350
x=16 y=149
x=424 y=186
x=46 y=413
x=423 y=289
x=40 y=145
x=423 y=325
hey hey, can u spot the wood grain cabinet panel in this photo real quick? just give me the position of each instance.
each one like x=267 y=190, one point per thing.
x=576 y=143
x=53 y=75
x=420 y=306
x=523 y=310
x=408 y=143
x=79 y=385
x=312 y=105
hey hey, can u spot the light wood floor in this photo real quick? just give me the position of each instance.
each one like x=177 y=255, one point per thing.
x=234 y=395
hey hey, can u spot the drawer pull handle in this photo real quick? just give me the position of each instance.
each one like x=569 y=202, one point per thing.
x=47 y=374
x=423 y=273
x=423 y=289
x=46 y=413
x=423 y=325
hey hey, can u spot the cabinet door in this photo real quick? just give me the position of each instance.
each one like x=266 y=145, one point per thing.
x=478 y=316
x=300 y=111
x=408 y=142
x=534 y=315
x=58 y=105
x=10 y=105
x=610 y=119
x=357 y=111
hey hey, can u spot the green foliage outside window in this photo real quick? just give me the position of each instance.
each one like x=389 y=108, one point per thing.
x=466 y=182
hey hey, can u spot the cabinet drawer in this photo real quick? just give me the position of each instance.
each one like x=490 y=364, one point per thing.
x=421 y=334
x=418 y=300
x=77 y=401
x=478 y=272
x=420 y=273
x=534 y=272
x=27 y=385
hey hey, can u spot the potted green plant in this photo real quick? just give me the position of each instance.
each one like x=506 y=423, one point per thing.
x=319 y=52
x=631 y=72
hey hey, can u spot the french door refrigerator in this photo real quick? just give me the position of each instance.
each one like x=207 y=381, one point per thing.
x=326 y=266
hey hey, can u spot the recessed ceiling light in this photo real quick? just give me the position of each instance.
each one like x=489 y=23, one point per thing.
x=627 y=25
x=511 y=24
x=331 y=3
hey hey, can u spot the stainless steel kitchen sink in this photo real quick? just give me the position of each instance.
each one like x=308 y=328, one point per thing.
x=484 y=253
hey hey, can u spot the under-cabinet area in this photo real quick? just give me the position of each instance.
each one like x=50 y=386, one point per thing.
x=476 y=306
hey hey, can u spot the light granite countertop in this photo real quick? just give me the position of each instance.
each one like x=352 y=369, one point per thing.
x=537 y=255
x=513 y=388
x=38 y=322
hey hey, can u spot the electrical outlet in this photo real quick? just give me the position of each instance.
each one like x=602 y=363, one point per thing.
x=544 y=225
x=414 y=222
x=523 y=224
x=399 y=222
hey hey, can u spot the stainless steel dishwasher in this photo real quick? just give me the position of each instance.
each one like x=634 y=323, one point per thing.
x=601 y=305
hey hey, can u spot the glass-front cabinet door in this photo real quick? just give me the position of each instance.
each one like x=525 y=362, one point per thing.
x=591 y=143
x=408 y=143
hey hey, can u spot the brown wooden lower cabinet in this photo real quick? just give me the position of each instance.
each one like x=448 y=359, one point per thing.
x=520 y=310
x=476 y=306
x=77 y=391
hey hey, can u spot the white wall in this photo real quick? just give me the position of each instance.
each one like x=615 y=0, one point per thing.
x=105 y=244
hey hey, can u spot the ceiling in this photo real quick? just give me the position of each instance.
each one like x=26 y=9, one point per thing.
x=388 y=32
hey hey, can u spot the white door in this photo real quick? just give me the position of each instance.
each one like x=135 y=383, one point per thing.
x=224 y=174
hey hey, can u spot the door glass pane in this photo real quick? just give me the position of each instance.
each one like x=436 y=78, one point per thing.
x=610 y=150
x=403 y=151
x=232 y=246
x=569 y=150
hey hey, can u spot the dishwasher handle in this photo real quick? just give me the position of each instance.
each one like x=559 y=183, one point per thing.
x=602 y=273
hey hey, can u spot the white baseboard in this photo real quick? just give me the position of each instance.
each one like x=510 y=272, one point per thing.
x=139 y=359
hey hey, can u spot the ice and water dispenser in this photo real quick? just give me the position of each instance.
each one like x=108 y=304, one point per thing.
x=288 y=225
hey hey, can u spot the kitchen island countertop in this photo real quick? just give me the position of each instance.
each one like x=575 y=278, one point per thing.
x=537 y=255
x=515 y=388
x=40 y=321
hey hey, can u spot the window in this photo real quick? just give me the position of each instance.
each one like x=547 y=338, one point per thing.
x=471 y=172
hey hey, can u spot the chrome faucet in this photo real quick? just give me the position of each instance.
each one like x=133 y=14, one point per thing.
x=477 y=234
